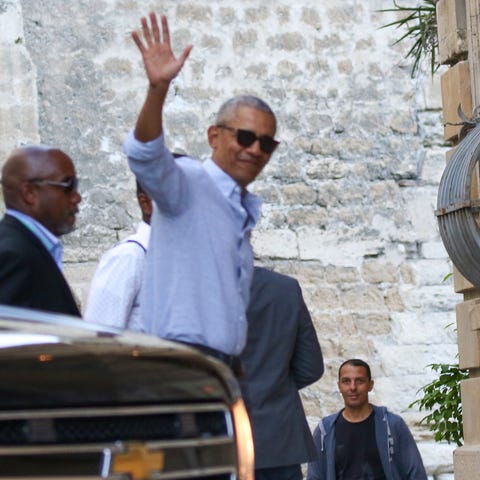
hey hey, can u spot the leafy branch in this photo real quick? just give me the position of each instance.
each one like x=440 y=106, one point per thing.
x=442 y=398
x=421 y=29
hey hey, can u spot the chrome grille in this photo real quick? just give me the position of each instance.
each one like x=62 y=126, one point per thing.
x=193 y=441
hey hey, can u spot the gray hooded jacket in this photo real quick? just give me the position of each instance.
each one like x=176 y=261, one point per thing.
x=398 y=451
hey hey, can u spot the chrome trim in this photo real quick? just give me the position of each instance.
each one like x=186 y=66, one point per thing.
x=193 y=474
x=114 y=447
x=113 y=411
x=106 y=463
x=68 y=477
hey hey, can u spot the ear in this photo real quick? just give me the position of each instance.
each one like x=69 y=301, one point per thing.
x=28 y=193
x=371 y=385
x=145 y=203
x=213 y=132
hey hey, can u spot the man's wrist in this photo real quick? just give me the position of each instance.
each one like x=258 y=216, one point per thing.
x=160 y=87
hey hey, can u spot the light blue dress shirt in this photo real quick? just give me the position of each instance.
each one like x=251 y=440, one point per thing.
x=199 y=264
x=48 y=239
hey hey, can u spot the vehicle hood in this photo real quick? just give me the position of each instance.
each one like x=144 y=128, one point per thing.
x=51 y=361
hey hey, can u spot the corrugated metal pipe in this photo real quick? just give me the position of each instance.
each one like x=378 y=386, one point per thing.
x=457 y=212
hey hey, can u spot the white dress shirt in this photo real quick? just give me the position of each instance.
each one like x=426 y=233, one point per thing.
x=113 y=298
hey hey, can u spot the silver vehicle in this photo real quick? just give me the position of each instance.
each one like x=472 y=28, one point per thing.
x=81 y=402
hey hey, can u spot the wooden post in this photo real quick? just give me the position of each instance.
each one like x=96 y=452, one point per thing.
x=473 y=43
x=467 y=458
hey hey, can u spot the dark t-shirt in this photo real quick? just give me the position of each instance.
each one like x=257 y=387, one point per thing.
x=356 y=451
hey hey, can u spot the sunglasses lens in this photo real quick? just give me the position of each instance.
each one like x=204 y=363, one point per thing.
x=72 y=185
x=268 y=144
x=245 y=137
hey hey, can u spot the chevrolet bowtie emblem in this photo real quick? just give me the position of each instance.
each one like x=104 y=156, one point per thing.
x=139 y=462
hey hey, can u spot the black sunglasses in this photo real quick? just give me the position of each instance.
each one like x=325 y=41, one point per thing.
x=245 y=138
x=70 y=185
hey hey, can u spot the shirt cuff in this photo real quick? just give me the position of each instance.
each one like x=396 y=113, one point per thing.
x=142 y=150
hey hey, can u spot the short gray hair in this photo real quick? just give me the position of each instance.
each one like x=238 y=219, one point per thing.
x=227 y=110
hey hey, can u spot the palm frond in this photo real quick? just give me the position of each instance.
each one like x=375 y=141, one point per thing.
x=421 y=28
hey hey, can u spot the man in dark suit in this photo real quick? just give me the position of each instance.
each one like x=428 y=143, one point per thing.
x=40 y=191
x=282 y=355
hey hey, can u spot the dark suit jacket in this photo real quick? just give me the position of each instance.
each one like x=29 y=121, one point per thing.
x=29 y=277
x=282 y=355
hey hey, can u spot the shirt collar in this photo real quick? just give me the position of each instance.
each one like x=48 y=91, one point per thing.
x=230 y=188
x=143 y=231
x=222 y=180
x=48 y=239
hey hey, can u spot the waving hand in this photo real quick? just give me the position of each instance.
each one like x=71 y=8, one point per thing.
x=160 y=63
x=162 y=67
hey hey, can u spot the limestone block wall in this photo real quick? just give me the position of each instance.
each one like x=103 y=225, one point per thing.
x=18 y=100
x=349 y=194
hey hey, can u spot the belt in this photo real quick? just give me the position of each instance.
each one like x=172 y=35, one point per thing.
x=232 y=361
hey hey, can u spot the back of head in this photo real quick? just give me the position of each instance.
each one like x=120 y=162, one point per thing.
x=139 y=188
x=356 y=362
x=144 y=202
x=23 y=164
x=41 y=182
x=227 y=110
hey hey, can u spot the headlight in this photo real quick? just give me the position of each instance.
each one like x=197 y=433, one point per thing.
x=245 y=452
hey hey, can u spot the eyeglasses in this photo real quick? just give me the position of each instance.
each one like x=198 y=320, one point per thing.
x=70 y=185
x=245 y=138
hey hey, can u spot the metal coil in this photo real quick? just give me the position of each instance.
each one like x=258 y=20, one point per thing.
x=457 y=212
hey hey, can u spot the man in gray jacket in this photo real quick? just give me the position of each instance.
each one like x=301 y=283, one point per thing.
x=281 y=357
x=363 y=441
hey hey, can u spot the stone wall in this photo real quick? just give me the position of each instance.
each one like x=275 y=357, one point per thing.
x=349 y=195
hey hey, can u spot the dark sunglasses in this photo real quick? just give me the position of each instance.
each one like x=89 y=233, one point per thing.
x=245 y=138
x=70 y=185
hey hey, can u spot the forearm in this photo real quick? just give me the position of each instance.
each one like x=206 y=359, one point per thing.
x=150 y=120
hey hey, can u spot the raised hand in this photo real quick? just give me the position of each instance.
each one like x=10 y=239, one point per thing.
x=160 y=63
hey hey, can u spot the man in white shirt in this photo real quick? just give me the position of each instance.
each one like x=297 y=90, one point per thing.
x=113 y=299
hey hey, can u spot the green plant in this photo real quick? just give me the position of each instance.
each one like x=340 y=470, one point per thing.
x=448 y=276
x=421 y=29
x=442 y=398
